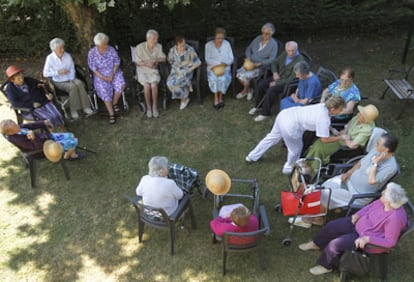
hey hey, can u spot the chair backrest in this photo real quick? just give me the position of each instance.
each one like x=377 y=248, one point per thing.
x=409 y=208
x=152 y=216
x=133 y=53
x=326 y=76
x=280 y=47
x=306 y=56
x=250 y=191
x=195 y=44
x=246 y=241
x=373 y=139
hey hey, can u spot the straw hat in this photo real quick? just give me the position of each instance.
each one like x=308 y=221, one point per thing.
x=219 y=69
x=369 y=112
x=52 y=150
x=218 y=182
x=248 y=64
x=11 y=71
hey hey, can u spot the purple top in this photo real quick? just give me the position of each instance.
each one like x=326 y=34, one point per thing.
x=105 y=64
x=382 y=227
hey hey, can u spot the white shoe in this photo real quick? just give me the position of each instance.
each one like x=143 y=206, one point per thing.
x=149 y=114
x=260 y=118
x=309 y=246
x=299 y=222
x=88 y=111
x=250 y=95
x=252 y=111
x=155 y=113
x=319 y=270
x=287 y=169
x=183 y=105
x=74 y=115
x=249 y=160
x=241 y=95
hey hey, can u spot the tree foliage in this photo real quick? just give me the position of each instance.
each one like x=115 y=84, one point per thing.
x=127 y=21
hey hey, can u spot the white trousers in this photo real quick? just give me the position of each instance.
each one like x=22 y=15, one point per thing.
x=286 y=128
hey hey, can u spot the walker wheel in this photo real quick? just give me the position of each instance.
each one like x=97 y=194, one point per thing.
x=287 y=242
x=278 y=208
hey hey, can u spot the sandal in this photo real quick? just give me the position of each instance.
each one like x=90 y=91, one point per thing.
x=116 y=108
x=111 y=119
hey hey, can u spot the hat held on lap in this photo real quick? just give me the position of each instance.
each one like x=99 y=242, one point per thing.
x=11 y=71
x=219 y=69
x=369 y=112
x=248 y=64
x=53 y=150
x=218 y=182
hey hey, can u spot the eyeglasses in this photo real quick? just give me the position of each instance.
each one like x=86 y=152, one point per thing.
x=219 y=38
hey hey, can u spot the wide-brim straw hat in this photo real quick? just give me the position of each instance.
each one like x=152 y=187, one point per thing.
x=218 y=182
x=248 y=64
x=369 y=112
x=219 y=69
x=53 y=150
x=12 y=71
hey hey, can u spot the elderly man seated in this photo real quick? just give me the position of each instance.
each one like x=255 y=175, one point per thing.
x=282 y=70
x=156 y=189
x=368 y=175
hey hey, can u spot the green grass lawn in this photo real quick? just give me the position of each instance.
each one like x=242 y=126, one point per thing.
x=84 y=229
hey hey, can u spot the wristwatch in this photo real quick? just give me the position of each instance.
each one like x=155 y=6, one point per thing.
x=374 y=164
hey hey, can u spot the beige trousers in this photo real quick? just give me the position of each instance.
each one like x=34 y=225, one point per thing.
x=77 y=93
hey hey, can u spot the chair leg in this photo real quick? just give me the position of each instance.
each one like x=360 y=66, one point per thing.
x=141 y=226
x=172 y=237
x=383 y=266
x=65 y=169
x=342 y=276
x=193 y=221
x=261 y=260
x=33 y=172
x=224 y=262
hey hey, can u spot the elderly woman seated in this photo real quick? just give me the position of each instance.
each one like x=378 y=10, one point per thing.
x=219 y=57
x=156 y=189
x=27 y=140
x=261 y=52
x=108 y=80
x=234 y=218
x=355 y=135
x=184 y=60
x=149 y=54
x=60 y=67
x=379 y=223
x=368 y=175
x=27 y=92
x=346 y=88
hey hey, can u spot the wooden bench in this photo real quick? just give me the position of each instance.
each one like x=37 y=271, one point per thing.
x=401 y=88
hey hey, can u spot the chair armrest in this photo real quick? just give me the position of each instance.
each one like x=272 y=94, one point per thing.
x=32 y=153
x=183 y=203
x=264 y=220
x=376 y=247
x=22 y=109
x=355 y=197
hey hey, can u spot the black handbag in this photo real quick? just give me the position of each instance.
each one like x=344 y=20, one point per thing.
x=355 y=262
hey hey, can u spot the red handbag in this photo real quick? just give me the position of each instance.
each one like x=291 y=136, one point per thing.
x=291 y=200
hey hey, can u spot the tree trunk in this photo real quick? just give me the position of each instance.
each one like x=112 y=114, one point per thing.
x=82 y=18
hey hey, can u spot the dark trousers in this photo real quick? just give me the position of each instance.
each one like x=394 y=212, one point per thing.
x=270 y=95
x=336 y=237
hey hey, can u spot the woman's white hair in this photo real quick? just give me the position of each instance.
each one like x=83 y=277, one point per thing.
x=100 y=38
x=151 y=32
x=157 y=166
x=56 y=42
x=270 y=27
x=395 y=195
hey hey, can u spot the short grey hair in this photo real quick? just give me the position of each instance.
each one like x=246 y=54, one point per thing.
x=157 y=166
x=395 y=195
x=152 y=32
x=270 y=27
x=294 y=44
x=100 y=38
x=302 y=67
x=56 y=42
